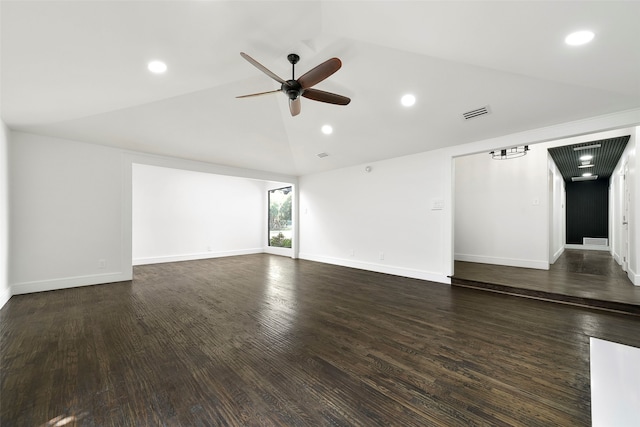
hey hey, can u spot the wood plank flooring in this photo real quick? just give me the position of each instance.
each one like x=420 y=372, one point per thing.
x=262 y=340
x=588 y=278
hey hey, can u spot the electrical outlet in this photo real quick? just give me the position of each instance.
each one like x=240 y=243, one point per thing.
x=352 y=253
x=102 y=263
x=381 y=256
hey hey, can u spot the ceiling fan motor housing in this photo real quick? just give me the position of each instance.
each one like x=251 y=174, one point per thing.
x=292 y=88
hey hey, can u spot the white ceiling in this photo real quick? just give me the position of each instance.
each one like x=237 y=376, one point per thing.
x=77 y=70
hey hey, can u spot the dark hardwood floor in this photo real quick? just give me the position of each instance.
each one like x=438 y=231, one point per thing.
x=581 y=277
x=262 y=340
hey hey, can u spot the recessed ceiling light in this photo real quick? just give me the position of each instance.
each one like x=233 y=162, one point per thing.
x=587 y=174
x=157 y=67
x=586 y=157
x=408 y=100
x=579 y=38
x=587 y=147
x=327 y=129
x=585 y=166
x=584 y=178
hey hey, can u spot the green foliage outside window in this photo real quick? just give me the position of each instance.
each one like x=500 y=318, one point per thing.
x=280 y=219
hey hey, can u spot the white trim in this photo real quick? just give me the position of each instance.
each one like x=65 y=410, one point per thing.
x=68 y=282
x=126 y=216
x=633 y=276
x=5 y=295
x=212 y=168
x=273 y=250
x=586 y=126
x=379 y=268
x=194 y=256
x=511 y=262
x=589 y=247
x=617 y=258
x=557 y=254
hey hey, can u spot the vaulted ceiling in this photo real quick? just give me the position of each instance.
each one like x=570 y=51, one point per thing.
x=77 y=70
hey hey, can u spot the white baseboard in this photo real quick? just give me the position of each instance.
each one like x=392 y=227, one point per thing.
x=511 y=262
x=617 y=258
x=195 y=256
x=557 y=255
x=633 y=276
x=379 y=268
x=589 y=247
x=278 y=251
x=68 y=282
x=5 y=295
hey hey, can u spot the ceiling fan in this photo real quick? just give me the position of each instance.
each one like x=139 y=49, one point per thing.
x=294 y=89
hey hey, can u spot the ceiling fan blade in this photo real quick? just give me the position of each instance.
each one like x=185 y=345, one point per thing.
x=319 y=73
x=322 y=96
x=258 y=94
x=294 y=106
x=262 y=68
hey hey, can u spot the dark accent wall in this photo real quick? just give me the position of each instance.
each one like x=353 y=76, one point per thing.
x=587 y=210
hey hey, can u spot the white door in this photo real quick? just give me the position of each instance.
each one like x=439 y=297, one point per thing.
x=625 y=219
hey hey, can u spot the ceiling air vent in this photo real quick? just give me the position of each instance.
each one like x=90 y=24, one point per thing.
x=476 y=113
x=321 y=155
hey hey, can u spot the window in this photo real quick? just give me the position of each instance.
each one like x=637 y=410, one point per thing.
x=280 y=225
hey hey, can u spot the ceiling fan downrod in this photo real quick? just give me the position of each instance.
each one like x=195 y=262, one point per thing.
x=293 y=58
x=292 y=88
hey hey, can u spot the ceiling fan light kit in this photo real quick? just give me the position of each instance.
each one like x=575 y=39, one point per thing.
x=294 y=89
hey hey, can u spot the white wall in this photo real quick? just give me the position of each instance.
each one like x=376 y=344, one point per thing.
x=348 y=216
x=180 y=215
x=5 y=290
x=342 y=210
x=502 y=209
x=71 y=208
x=66 y=214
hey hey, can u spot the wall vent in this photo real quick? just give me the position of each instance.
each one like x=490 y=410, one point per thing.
x=321 y=155
x=595 y=241
x=476 y=113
